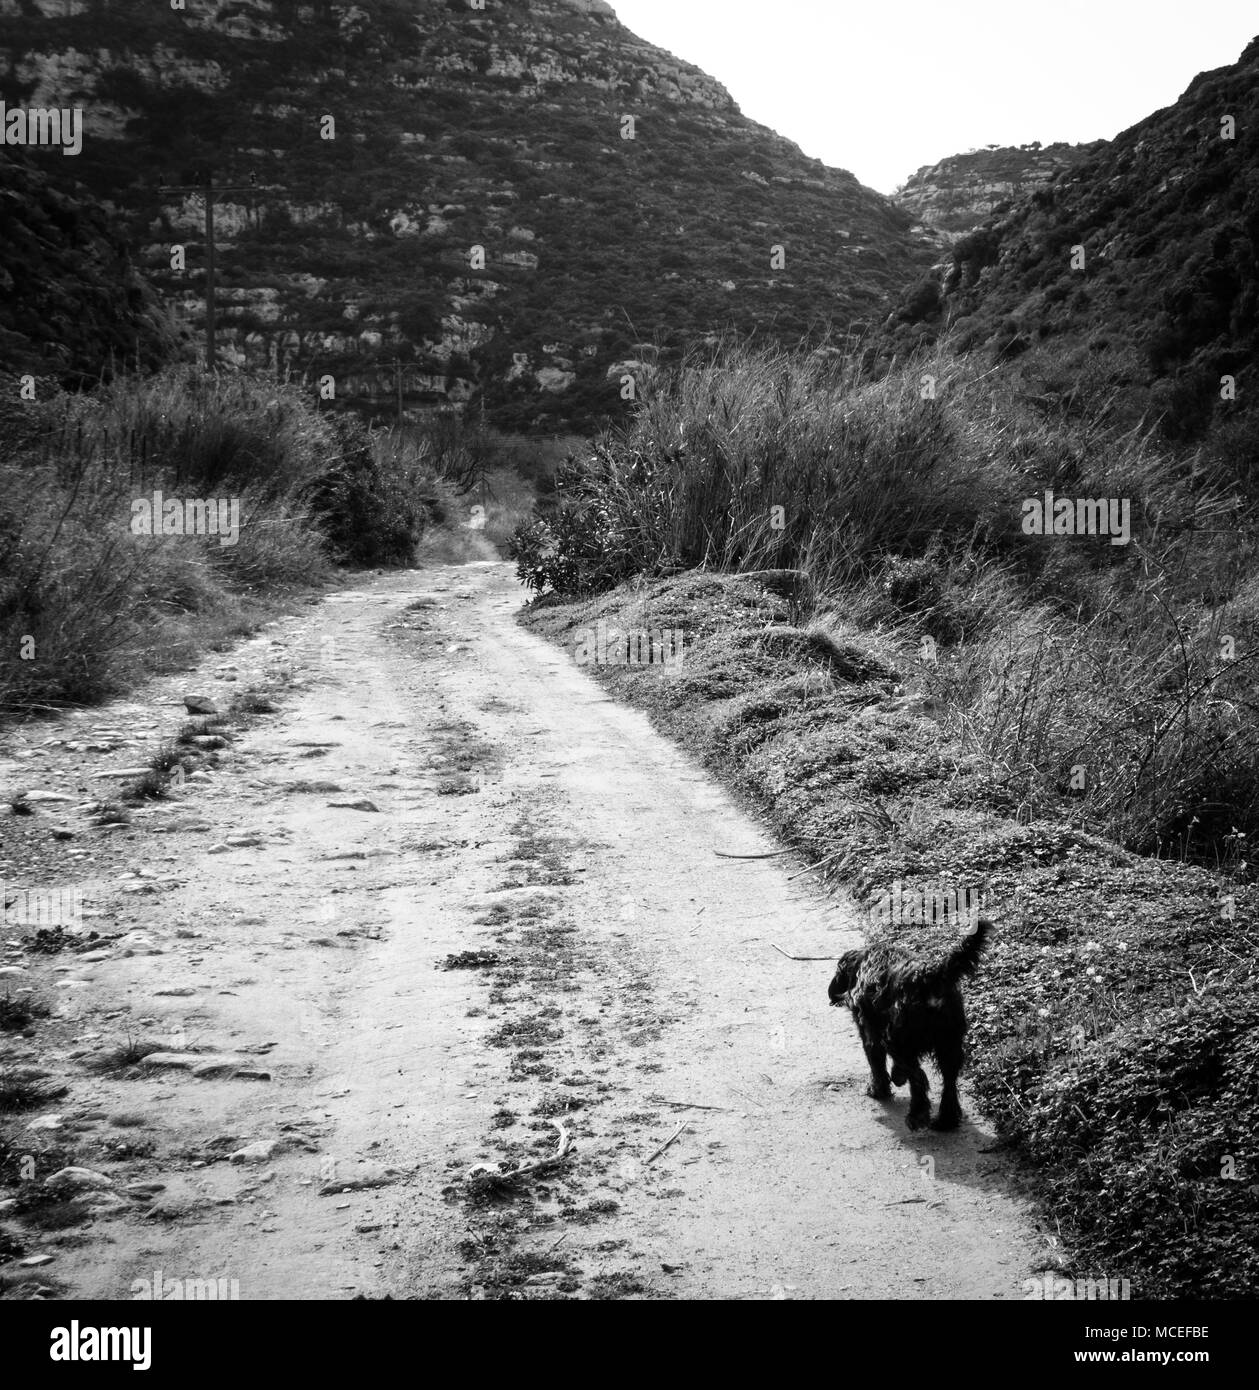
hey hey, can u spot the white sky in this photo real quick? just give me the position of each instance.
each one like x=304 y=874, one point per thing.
x=882 y=87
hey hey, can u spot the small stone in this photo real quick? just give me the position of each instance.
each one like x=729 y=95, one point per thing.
x=210 y=1067
x=260 y=1152
x=198 y=704
x=136 y=939
x=32 y=1261
x=77 y=1180
x=369 y=1175
x=199 y=1063
x=180 y=992
x=35 y=797
x=144 y=1191
x=62 y=832
x=104 y=1201
x=363 y=805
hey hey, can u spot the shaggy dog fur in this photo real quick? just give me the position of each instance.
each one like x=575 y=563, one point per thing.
x=905 y=1010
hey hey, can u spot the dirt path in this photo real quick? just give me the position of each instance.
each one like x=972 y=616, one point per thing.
x=517 y=811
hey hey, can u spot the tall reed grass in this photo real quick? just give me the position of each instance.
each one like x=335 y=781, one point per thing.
x=86 y=605
x=1113 y=684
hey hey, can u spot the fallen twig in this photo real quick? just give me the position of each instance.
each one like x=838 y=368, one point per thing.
x=771 y=854
x=492 y=1174
x=666 y=1143
x=691 y=1104
x=781 y=952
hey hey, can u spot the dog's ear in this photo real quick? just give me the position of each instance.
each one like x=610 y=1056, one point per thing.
x=845 y=975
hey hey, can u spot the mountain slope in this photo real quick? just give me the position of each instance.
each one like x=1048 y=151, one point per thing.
x=1164 y=306
x=456 y=128
x=71 y=299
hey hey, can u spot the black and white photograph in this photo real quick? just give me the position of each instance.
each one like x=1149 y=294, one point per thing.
x=629 y=671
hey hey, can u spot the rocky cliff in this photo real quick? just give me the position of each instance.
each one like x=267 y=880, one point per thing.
x=513 y=199
x=959 y=193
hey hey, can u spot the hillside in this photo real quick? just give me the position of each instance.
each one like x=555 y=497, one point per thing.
x=959 y=193
x=71 y=299
x=1163 y=306
x=455 y=128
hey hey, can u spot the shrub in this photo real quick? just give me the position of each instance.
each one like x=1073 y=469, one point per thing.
x=86 y=605
x=365 y=501
x=760 y=459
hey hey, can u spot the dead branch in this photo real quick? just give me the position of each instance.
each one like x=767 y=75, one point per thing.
x=690 y=1104
x=781 y=952
x=667 y=1142
x=493 y=1174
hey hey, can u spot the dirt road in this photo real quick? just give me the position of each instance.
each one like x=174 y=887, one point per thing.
x=439 y=783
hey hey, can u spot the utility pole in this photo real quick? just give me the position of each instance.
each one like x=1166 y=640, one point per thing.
x=397 y=364
x=207 y=190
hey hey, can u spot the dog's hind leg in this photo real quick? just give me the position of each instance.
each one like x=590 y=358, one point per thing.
x=919 y=1092
x=949 y=1056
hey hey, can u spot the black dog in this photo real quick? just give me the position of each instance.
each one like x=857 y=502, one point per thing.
x=907 y=1010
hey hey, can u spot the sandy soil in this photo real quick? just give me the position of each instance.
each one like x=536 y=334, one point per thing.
x=438 y=781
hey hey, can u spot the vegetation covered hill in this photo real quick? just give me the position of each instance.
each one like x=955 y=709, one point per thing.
x=455 y=128
x=1133 y=276
x=72 y=303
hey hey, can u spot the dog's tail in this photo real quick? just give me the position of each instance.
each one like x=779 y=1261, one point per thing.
x=965 y=960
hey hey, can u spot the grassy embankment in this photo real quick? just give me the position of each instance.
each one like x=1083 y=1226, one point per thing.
x=1066 y=723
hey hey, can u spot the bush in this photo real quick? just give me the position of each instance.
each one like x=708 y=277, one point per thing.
x=763 y=460
x=86 y=606
x=366 y=501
